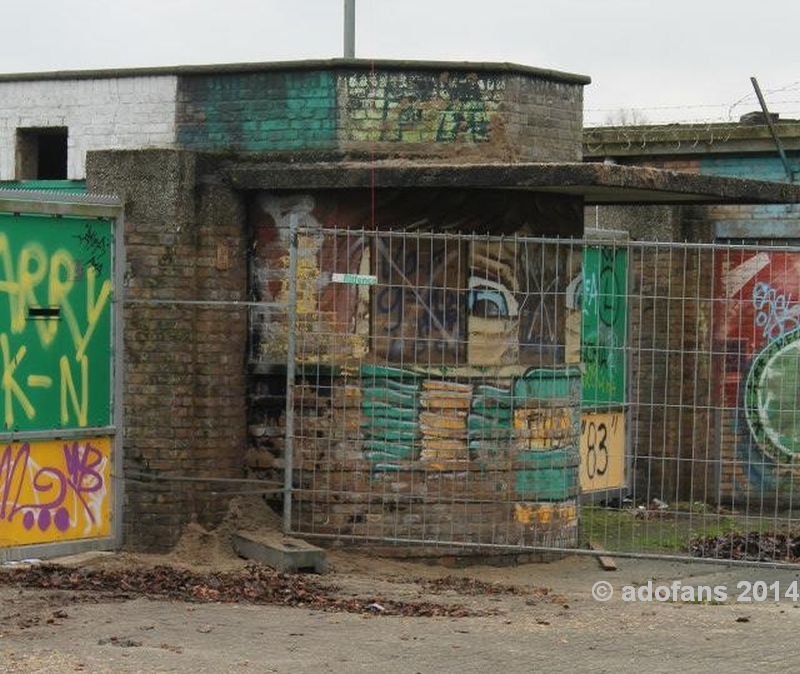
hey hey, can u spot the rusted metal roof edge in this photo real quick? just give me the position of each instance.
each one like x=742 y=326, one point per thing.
x=595 y=183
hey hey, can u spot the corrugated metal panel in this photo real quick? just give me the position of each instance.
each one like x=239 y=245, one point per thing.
x=65 y=186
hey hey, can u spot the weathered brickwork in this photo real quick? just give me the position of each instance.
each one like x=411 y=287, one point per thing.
x=763 y=222
x=152 y=137
x=100 y=113
x=547 y=117
x=258 y=112
x=671 y=364
x=706 y=317
x=508 y=113
x=184 y=353
x=419 y=107
x=416 y=111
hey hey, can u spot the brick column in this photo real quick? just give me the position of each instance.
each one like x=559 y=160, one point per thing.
x=185 y=379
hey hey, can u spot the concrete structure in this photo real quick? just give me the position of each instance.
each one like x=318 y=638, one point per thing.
x=487 y=111
x=214 y=164
x=744 y=149
x=745 y=297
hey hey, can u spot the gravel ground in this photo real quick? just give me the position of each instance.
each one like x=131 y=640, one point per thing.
x=124 y=614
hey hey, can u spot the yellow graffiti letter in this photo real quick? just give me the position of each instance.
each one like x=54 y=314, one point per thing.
x=28 y=280
x=79 y=407
x=7 y=283
x=11 y=388
x=62 y=274
x=94 y=308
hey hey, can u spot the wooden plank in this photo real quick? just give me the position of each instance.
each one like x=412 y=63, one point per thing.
x=607 y=563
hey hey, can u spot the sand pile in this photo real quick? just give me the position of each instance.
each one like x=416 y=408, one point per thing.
x=203 y=547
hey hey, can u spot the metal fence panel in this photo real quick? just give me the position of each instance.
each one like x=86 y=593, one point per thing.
x=531 y=394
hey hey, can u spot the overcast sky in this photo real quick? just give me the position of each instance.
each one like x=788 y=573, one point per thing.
x=674 y=60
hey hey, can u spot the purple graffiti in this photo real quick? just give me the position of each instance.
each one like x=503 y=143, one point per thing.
x=80 y=478
x=773 y=312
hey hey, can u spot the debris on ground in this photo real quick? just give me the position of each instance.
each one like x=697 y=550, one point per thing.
x=474 y=587
x=754 y=546
x=253 y=584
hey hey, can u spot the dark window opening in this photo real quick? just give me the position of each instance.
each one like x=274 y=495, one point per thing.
x=42 y=154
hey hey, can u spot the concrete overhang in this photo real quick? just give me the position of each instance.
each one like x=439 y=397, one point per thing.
x=597 y=184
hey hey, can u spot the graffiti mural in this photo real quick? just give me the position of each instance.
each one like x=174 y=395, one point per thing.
x=441 y=300
x=419 y=302
x=771 y=397
x=758 y=324
x=603 y=324
x=331 y=315
x=458 y=395
x=492 y=304
x=422 y=108
x=54 y=490
x=55 y=332
x=545 y=271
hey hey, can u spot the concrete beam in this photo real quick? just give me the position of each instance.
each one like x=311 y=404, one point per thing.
x=595 y=183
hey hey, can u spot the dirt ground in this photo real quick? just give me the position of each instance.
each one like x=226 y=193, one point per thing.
x=203 y=609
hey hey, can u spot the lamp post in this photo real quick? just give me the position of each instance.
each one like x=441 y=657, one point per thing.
x=349 y=29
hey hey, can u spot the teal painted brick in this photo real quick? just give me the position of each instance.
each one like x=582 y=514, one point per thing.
x=763 y=220
x=257 y=112
x=761 y=168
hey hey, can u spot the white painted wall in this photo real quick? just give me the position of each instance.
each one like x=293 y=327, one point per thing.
x=101 y=114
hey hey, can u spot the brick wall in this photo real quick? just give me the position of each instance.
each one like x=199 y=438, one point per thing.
x=102 y=113
x=407 y=111
x=548 y=121
x=257 y=112
x=461 y=115
x=508 y=113
x=765 y=222
x=671 y=366
x=689 y=437
x=184 y=373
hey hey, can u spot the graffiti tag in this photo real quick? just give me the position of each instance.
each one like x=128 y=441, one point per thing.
x=66 y=491
x=773 y=311
x=51 y=321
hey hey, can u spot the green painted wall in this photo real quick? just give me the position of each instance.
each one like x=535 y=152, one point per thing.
x=257 y=112
x=55 y=322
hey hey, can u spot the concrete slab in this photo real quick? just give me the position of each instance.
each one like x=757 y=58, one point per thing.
x=80 y=558
x=282 y=553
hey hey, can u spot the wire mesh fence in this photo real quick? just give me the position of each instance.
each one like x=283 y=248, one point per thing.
x=530 y=394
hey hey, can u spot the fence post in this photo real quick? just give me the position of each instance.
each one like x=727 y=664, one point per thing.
x=291 y=327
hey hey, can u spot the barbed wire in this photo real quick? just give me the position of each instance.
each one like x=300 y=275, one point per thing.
x=671 y=114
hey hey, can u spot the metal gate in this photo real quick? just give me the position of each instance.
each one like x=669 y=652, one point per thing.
x=528 y=394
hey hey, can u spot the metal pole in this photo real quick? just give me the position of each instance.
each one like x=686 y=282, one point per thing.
x=786 y=166
x=291 y=326
x=349 y=29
